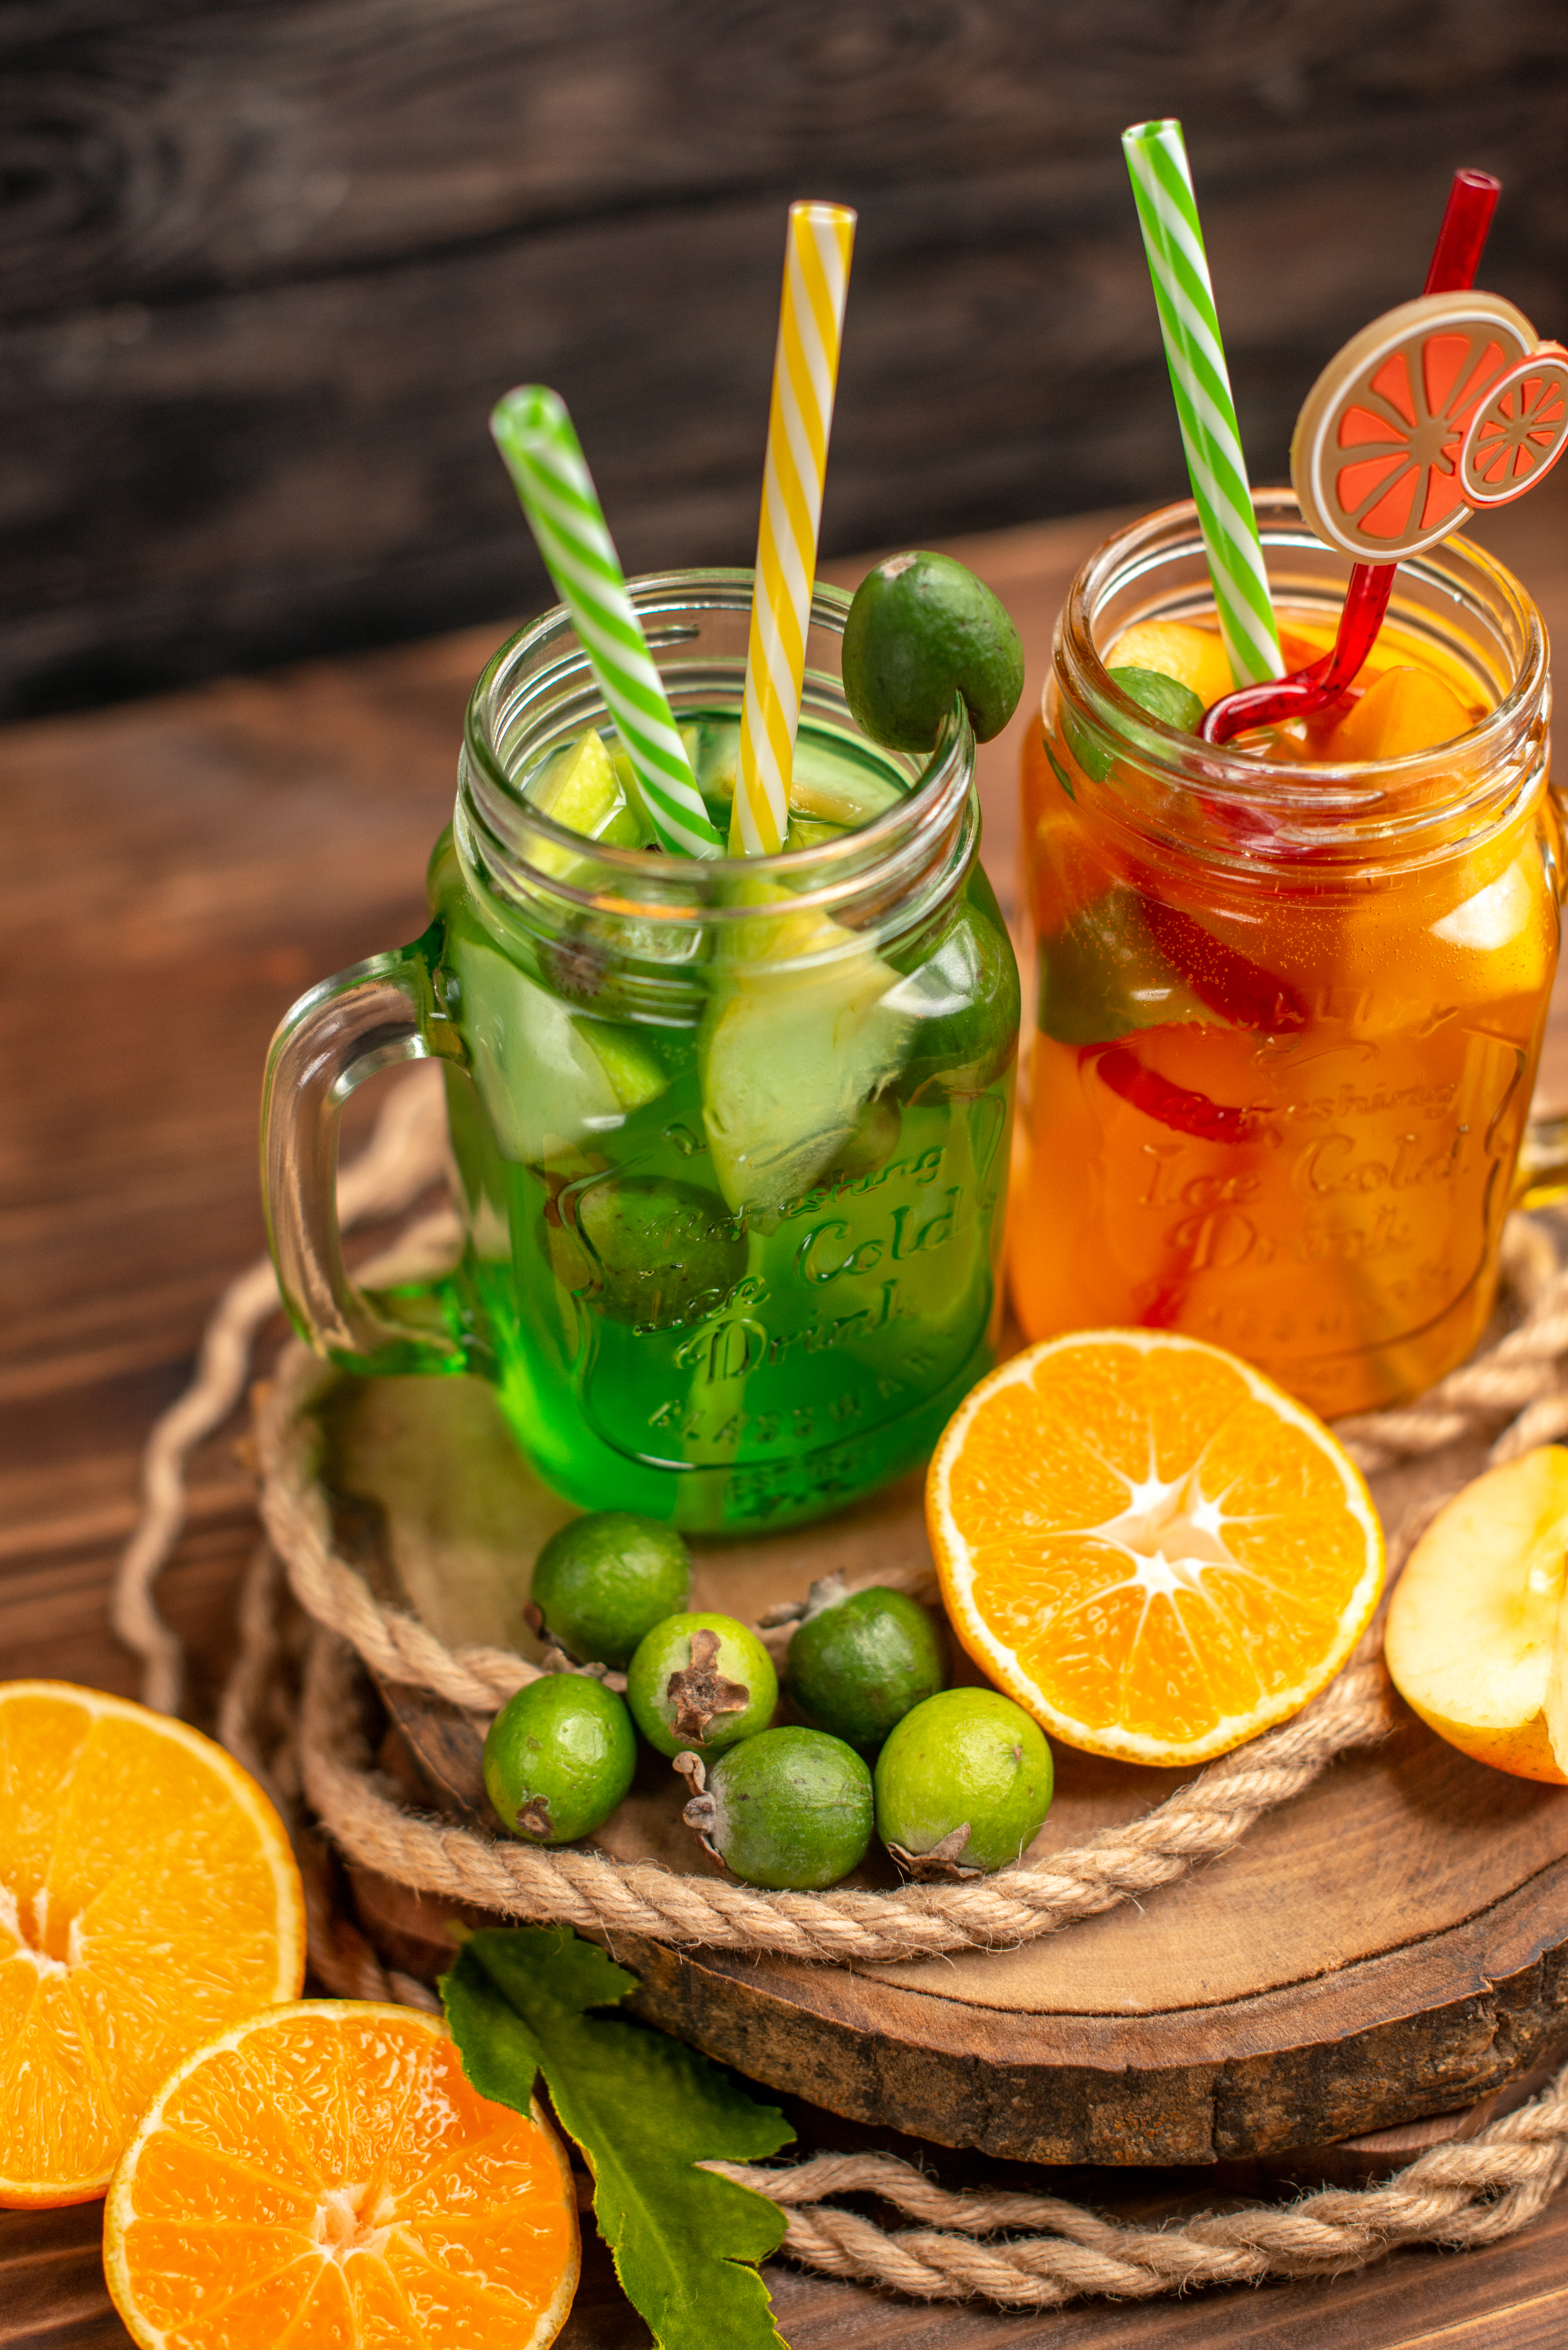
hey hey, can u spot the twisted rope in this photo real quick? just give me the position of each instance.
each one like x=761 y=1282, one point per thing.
x=843 y=1927
x=312 y=1742
x=256 y=1722
x=1473 y=2191
x=396 y=1644
x=1200 y=1822
x=406 y=1154
x=1469 y=2193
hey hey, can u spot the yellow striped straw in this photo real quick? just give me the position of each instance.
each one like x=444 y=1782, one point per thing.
x=805 y=372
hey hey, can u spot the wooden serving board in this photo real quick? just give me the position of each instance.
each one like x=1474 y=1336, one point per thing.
x=1392 y=1945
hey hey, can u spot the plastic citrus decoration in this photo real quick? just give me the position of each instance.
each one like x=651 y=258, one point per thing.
x=148 y=1899
x=1520 y=431
x=1376 y=460
x=323 y=2174
x=1149 y=1544
x=1402 y=480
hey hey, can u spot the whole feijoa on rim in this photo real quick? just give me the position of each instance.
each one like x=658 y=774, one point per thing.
x=558 y=1758
x=963 y=1784
x=921 y=629
x=789 y=1809
x=699 y=1683
x=603 y=1581
x=861 y=1660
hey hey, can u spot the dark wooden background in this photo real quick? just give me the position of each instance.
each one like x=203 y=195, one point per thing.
x=265 y=264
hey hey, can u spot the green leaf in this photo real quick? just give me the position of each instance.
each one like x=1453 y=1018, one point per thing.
x=644 y=2109
x=1060 y=771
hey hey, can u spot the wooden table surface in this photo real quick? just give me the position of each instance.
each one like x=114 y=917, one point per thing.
x=176 y=872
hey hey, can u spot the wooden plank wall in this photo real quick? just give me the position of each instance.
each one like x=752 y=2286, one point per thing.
x=266 y=263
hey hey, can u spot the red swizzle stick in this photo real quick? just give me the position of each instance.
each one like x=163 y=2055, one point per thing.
x=1456 y=256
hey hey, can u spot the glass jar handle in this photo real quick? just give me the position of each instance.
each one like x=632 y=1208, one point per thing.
x=368 y=1018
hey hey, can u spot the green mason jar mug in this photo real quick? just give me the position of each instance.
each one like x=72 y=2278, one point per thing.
x=732 y=1136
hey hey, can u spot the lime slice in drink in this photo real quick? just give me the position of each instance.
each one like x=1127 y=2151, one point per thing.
x=647 y=1250
x=629 y=1062
x=805 y=832
x=591 y=793
x=964 y=996
x=548 y=1076
x=798 y=1034
x=1101 y=976
x=842 y=798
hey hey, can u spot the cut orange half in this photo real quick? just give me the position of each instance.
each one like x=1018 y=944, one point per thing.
x=147 y=1898
x=1149 y=1544
x=323 y=2177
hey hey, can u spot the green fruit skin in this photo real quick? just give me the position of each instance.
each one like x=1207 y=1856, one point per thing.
x=1101 y=976
x=922 y=628
x=565 y=1739
x=794 y=1810
x=667 y=1650
x=960 y=1053
x=603 y=1582
x=649 y=1252
x=863 y=1663
x=1164 y=698
x=965 y=1754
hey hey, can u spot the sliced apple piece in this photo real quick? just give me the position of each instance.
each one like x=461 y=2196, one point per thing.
x=1476 y=1631
x=1194 y=657
x=1408 y=710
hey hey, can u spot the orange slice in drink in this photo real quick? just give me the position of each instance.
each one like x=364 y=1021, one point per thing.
x=147 y=1898
x=323 y=2176
x=1149 y=1546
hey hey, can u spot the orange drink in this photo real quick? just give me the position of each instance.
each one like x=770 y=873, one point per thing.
x=1290 y=991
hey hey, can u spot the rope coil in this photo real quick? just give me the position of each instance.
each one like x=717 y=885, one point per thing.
x=290 y=1714
x=1472 y=2192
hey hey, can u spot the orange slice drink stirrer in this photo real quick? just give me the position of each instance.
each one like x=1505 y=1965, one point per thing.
x=1472 y=199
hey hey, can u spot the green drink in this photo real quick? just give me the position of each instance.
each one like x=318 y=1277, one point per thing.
x=732 y=1135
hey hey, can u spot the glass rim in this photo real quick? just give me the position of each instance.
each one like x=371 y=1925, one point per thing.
x=1354 y=793
x=650 y=883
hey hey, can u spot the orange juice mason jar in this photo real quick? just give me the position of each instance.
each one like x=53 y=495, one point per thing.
x=1288 y=1011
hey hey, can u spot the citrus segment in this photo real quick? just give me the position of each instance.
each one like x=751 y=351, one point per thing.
x=1149 y=1544
x=147 y=1898
x=323 y=2174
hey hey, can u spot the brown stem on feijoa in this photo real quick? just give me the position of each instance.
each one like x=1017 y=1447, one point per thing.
x=702 y=1811
x=943 y=1861
x=701 y=1692
x=555 y=1661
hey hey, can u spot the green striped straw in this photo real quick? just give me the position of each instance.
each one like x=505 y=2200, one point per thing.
x=1168 y=214
x=542 y=454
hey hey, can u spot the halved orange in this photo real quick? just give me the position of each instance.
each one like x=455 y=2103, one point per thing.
x=1149 y=1544
x=323 y=2177
x=147 y=1898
